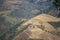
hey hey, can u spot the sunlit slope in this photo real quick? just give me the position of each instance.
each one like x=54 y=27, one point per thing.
x=43 y=19
x=34 y=34
x=5 y=12
x=38 y=28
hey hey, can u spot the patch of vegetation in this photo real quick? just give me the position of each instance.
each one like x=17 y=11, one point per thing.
x=55 y=24
x=12 y=20
x=11 y=32
x=41 y=27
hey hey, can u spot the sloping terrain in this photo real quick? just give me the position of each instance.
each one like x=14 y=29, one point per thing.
x=18 y=15
x=43 y=19
x=36 y=33
x=39 y=28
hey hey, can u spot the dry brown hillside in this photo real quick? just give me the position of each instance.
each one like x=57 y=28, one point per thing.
x=39 y=29
x=43 y=19
x=36 y=34
x=5 y=12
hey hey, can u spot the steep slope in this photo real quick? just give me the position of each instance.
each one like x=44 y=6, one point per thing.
x=38 y=28
x=35 y=33
x=26 y=9
x=43 y=19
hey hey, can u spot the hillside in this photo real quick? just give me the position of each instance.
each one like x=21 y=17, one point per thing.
x=43 y=19
x=39 y=28
x=16 y=16
x=36 y=34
